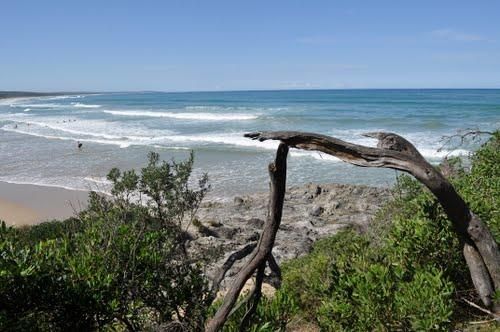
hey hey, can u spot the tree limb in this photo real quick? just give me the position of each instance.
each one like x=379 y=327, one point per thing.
x=235 y=256
x=463 y=136
x=275 y=278
x=255 y=297
x=277 y=173
x=395 y=152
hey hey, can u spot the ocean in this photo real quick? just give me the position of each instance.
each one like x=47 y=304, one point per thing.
x=38 y=136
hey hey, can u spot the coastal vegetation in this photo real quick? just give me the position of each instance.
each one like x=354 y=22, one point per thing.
x=406 y=273
x=122 y=264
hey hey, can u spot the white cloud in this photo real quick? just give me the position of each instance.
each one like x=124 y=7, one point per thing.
x=455 y=35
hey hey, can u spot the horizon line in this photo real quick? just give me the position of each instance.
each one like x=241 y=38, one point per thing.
x=229 y=90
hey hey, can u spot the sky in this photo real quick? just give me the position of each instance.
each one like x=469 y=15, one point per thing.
x=189 y=45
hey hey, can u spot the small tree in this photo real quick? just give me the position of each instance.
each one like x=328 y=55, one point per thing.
x=123 y=263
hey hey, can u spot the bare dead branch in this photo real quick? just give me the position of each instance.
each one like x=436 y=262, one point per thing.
x=275 y=278
x=255 y=297
x=462 y=136
x=235 y=256
x=277 y=173
x=472 y=304
x=395 y=152
x=478 y=272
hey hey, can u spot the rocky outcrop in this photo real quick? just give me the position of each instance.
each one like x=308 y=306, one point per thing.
x=310 y=212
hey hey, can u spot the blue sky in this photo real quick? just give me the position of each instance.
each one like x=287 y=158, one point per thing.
x=234 y=45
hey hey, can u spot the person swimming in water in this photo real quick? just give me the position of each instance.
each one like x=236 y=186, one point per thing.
x=79 y=144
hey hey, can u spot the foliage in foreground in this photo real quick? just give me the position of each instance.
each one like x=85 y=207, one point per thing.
x=408 y=275
x=121 y=264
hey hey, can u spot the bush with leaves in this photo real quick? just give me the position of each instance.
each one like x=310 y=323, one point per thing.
x=121 y=264
x=346 y=284
x=481 y=186
x=272 y=314
x=408 y=274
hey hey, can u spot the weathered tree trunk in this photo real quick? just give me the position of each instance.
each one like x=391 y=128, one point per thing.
x=277 y=173
x=480 y=249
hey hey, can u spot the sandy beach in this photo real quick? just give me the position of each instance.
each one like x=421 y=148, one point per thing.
x=25 y=204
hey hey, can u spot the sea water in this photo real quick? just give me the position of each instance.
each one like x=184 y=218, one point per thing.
x=38 y=136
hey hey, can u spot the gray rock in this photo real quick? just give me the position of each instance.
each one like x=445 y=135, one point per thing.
x=317 y=192
x=255 y=222
x=309 y=214
x=317 y=222
x=308 y=197
x=228 y=232
x=316 y=211
x=334 y=205
x=238 y=201
x=361 y=206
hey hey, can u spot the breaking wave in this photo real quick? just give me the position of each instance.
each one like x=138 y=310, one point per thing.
x=82 y=105
x=185 y=116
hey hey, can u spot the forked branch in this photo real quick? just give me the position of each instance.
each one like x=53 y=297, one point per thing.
x=393 y=151
x=261 y=254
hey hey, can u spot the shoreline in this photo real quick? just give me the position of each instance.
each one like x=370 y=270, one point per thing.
x=27 y=204
x=311 y=211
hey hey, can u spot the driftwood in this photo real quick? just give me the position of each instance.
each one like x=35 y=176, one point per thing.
x=263 y=251
x=480 y=249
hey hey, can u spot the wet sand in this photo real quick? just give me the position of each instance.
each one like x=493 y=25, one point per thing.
x=25 y=204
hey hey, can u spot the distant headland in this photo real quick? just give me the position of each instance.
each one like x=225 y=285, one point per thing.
x=23 y=94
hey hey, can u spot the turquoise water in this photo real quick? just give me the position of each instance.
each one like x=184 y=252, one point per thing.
x=38 y=135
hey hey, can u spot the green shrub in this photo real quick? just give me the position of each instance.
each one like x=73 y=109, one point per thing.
x=480 y=187
x=408 y=274
x=424 y=303
x=121 y=264
x=272 y=314
x=346 y=284
x=31 y=235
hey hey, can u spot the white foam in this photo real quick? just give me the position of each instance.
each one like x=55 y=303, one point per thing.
x=118 y=133
x=82 y=105
x=185 y=116
x=314 y=154
x=13 y=116
x=68 y=130
x=12 y=101
x=41 y=105
x=64 y=97
x=235 y=139
x=435 y=154
x=94 y=128
x=121 y=144
x=96 y=131
x=97 y=184
x=41 y=183
x=98 y=180
x=427 y=143
x=171 y=147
